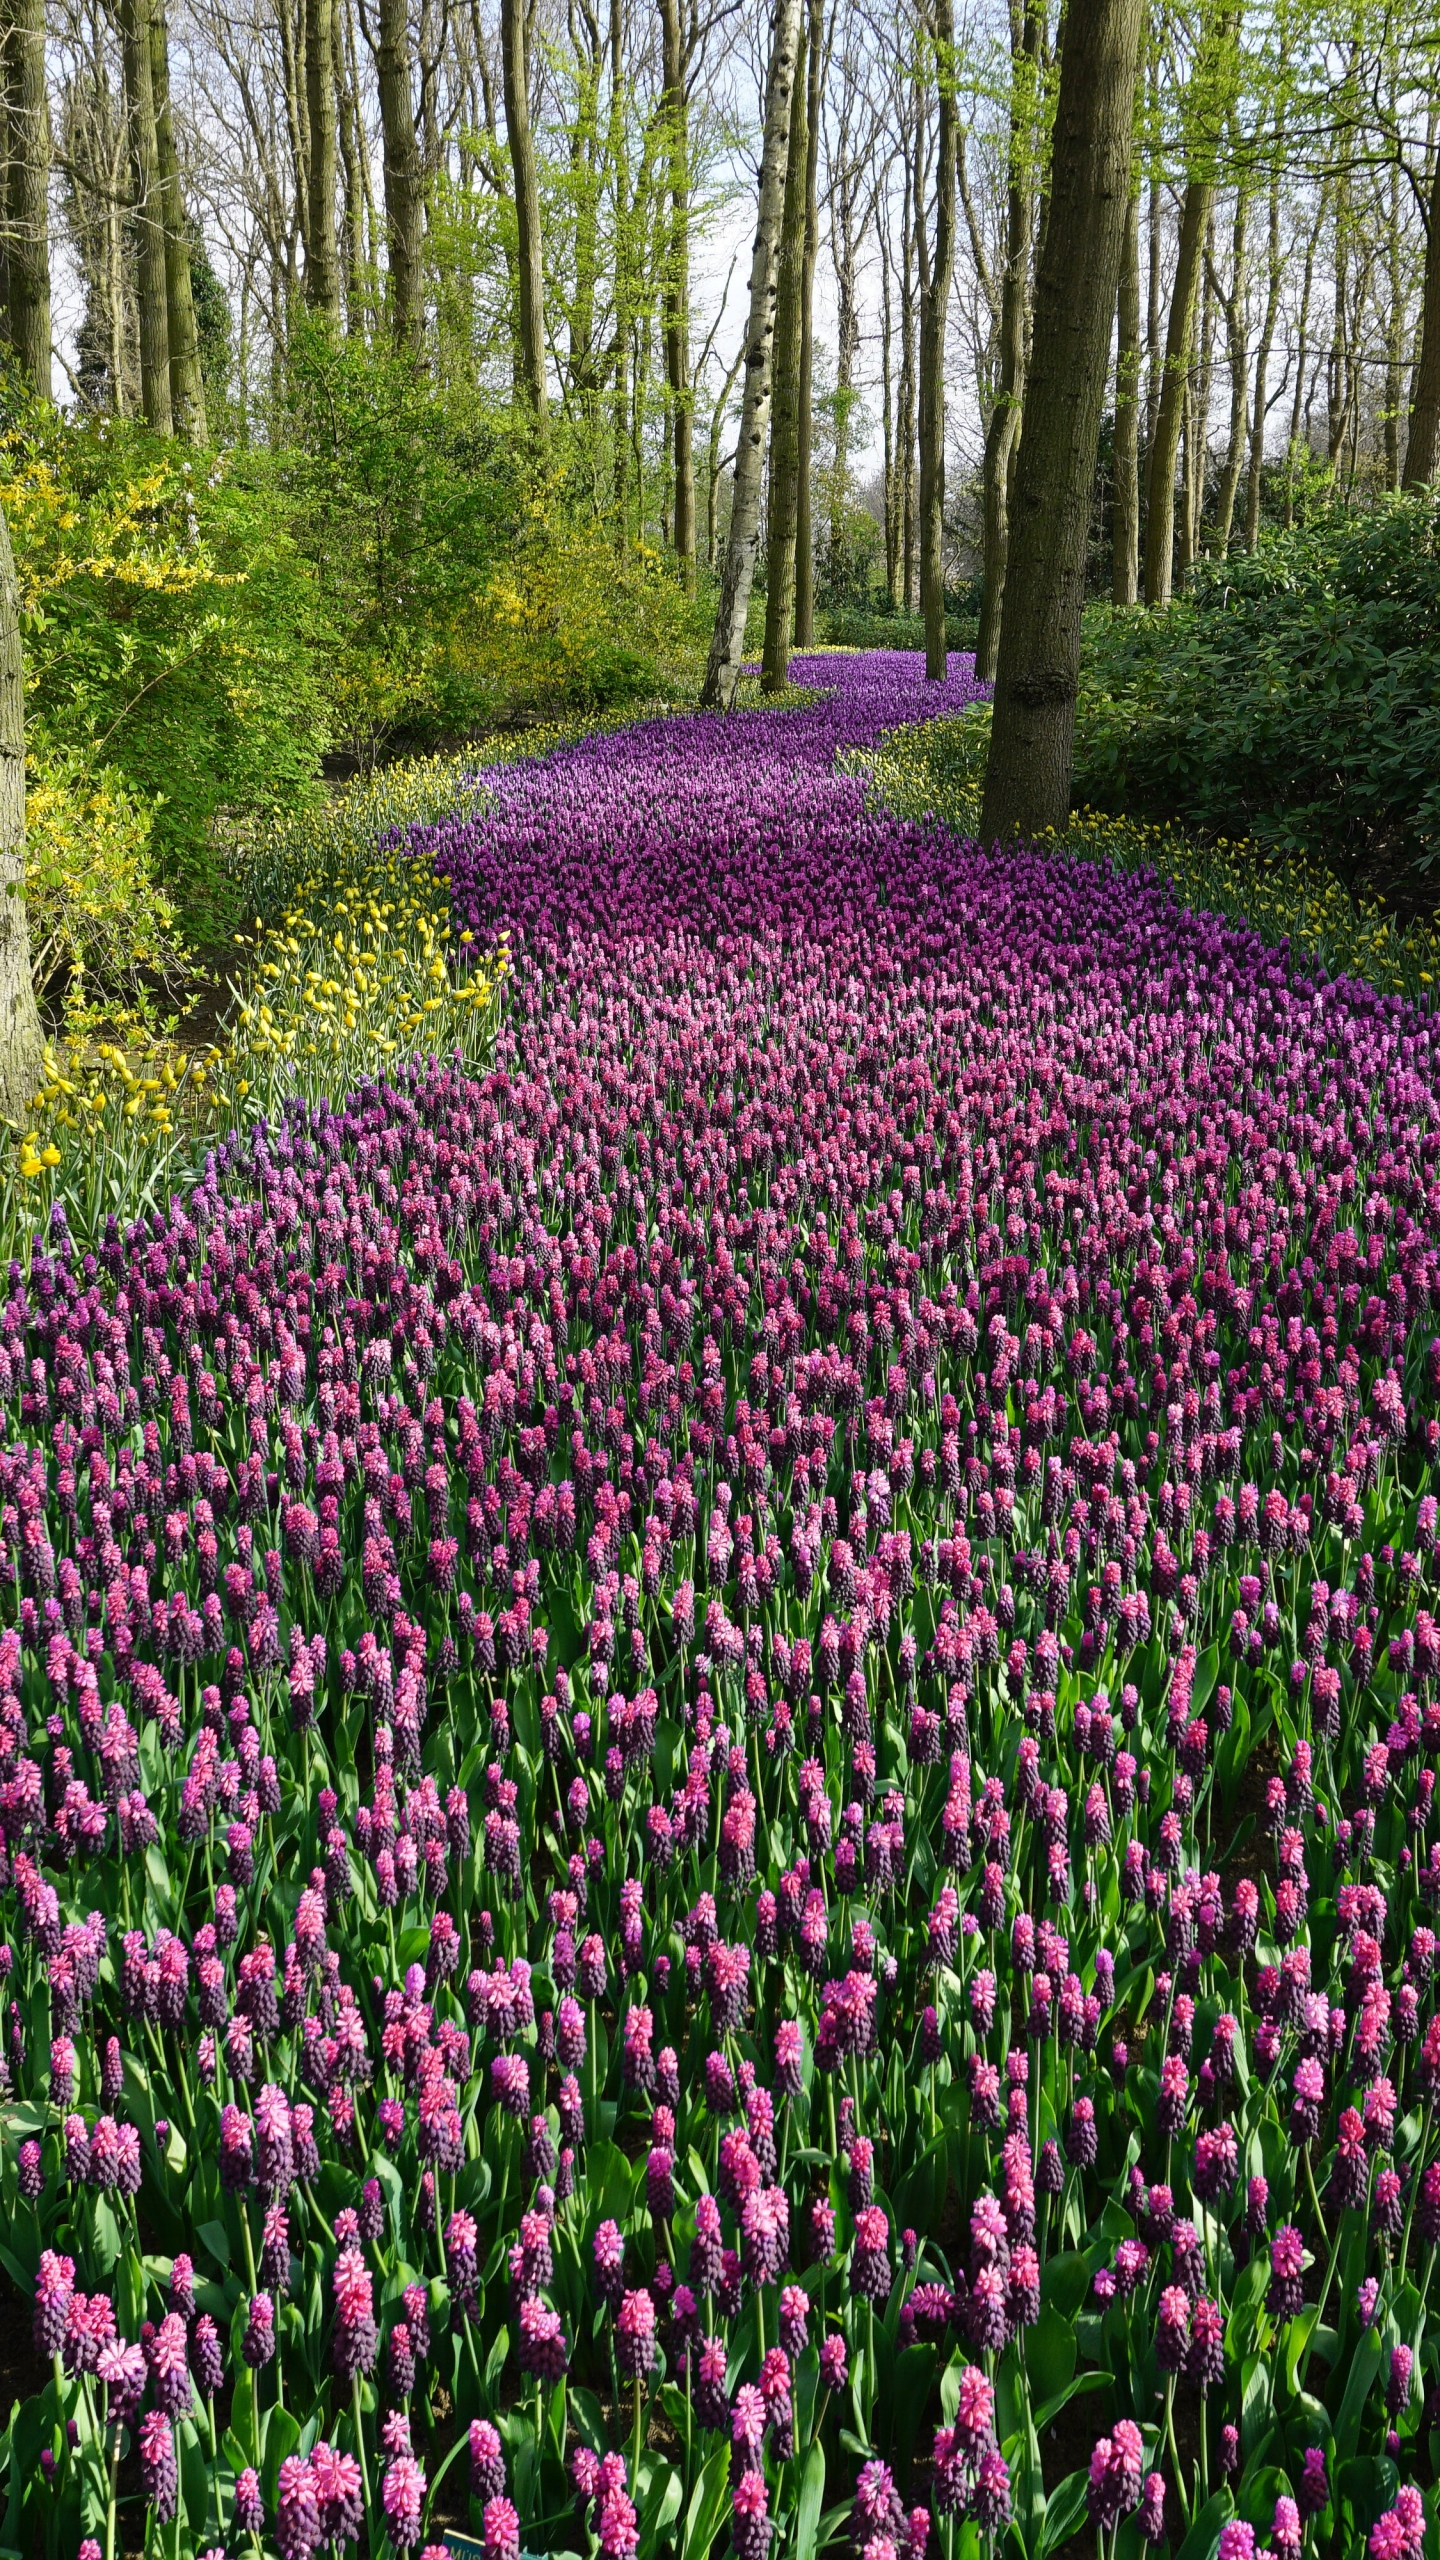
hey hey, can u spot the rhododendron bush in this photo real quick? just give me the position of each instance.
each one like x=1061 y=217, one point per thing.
x=719 y=1748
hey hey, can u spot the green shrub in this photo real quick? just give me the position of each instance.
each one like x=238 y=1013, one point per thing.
x=170 y=639
x=867 y=627
x=1293 y=697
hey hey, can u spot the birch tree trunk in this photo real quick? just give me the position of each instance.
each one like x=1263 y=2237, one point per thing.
x=722 y=673
x=1027 y=777
x=19 y=1021
x=1125 y=518
x=1004 y=428
x=27 y=191
x=785 y=407
x=516 y=71
x=322 y=264
x=187 y=382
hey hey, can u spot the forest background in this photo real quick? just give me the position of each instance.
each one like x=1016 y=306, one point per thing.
x=374 y=368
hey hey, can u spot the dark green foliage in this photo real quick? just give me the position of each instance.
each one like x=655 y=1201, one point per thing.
x=1293 y=697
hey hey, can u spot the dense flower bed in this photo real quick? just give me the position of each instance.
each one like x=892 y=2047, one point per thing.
x=937 y=767
x=717 y=1750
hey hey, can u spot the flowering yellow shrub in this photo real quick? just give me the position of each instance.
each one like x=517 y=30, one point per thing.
x=937 y=769
x=101 y=926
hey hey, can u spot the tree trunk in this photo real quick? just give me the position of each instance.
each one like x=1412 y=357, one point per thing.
x=1027 y=777
x=1262 y=368
x=187 y=382
x=19 y=1021
x=893 y=582
x=151 y=278
x=1197 y=413
x=722 y=673
x=322 y=264
x=1125 y=518
x=1004 y=427
x=804 y=459
x=1237 y=349
x=1423 y=442
x=516 y=70
x=1169 y=417
x=404 y=195
x=717 y=430
x=351 y=140
x=785 y=407
x=620 y=345
x=934 y=306
x=847 y=350
x=27 y=196
x=676 y=294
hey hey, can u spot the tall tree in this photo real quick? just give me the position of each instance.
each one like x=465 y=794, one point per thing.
x=322 y=264
x=785 y=408
x=404 y=191
x=1003 y=432
x=1422 y=446
x=187 y=381
x=27 y=190
x=727 y=643
x=936 y=277
x=515 y=67
x=1027 y=775
x=152 y=276
x=1206 y=100
x=19 y=1021
x=805 y=454
x=675 y=112
x=1125 y=519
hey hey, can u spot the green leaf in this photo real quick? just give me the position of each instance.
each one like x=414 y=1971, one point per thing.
x=1050 y=2351
x=1063 y=2511
x=708 y=2501
x=1204 y=2534
x=1364 y=2368
x=1066 y=2281
x=811 y=2499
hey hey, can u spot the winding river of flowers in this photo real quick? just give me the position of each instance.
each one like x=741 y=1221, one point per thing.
x=717 y=1752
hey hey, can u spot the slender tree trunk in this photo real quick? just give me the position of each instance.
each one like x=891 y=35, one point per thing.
x=1394 y=328
x=1337 y=369
x=934 y=307
x=151 y=279
x=1197 y=413
x=187 y=382
x=722 y=673
x=1003 y=431
x=404 y=194
x=516 y=70
x=1027 y=778
x=910 y=546
x=19 y=1021
x=27 y=200
x=1423 y=442
x=676 y=292
x=620 y=348
x=805 y=456
x=1274 y=271
x=717 y=430
x=1302 y=349
x=1155 y=239
x=1237 y=350
x=1125 y=520
x=847 y=350
x=893 y=584
x=351 y=138
x=785 y=406
x=322 y=265
x=1165 y=445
